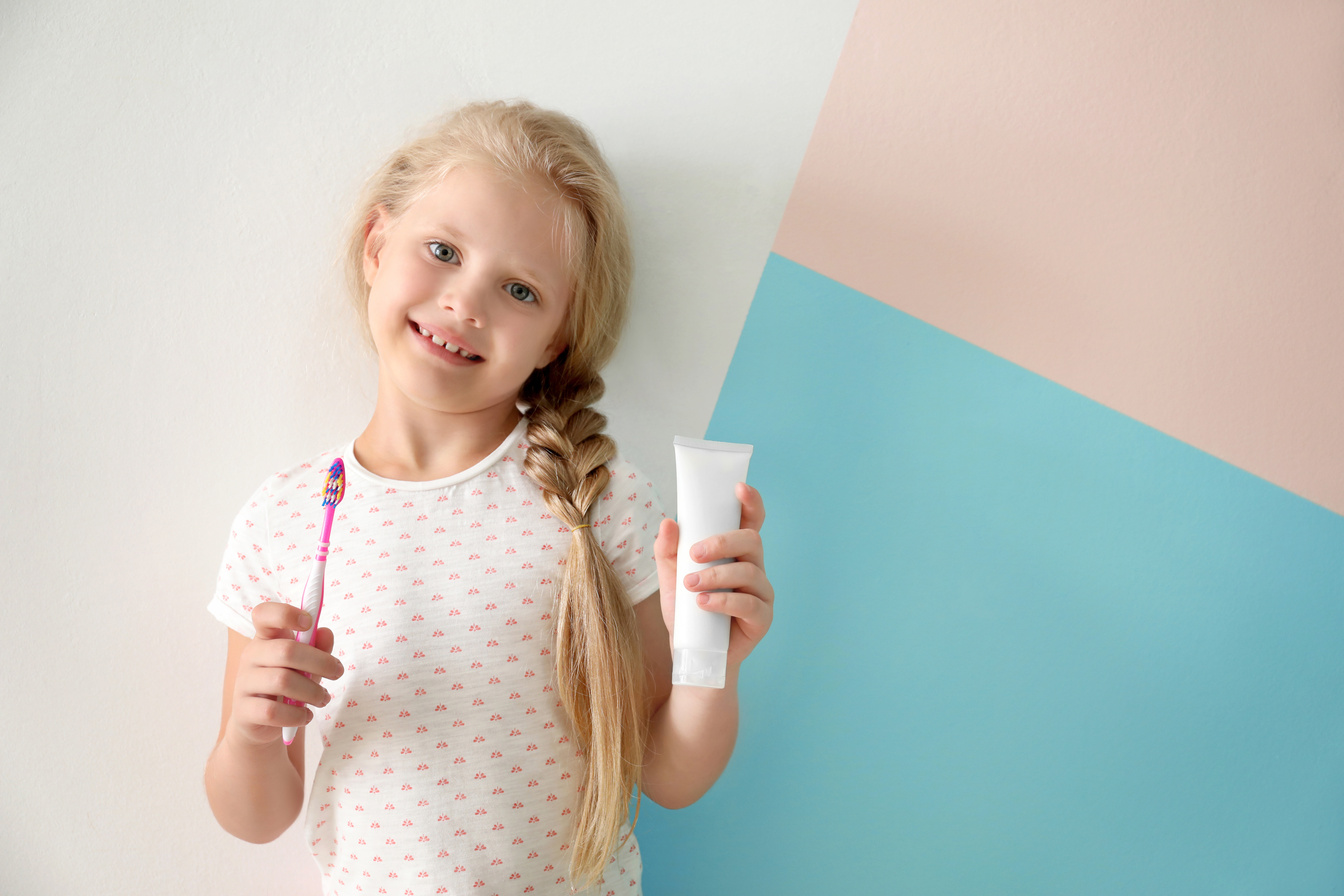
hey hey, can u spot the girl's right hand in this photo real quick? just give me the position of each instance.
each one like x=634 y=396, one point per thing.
x=271 y=668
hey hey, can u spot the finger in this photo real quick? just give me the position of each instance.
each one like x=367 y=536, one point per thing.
x=277 y=619
x=665 y=556
x=745 y=577
x=753 y=508
x=272 y=713
x=259 y=698
x=665 y=545
x=326 y=642
x=754 y=613
x=284 y=653
x=741 y=544
x=301 y=689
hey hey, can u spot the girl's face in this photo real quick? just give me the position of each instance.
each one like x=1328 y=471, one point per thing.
x=468 y=293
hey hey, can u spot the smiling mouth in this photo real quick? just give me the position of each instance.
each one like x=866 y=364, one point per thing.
x=448 y=345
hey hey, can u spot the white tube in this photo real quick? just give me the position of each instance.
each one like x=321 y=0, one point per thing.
x=707 y=476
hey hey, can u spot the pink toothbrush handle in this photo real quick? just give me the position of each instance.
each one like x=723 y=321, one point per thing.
x=312 y=605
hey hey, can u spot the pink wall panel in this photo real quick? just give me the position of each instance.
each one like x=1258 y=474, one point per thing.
x=1143 y=202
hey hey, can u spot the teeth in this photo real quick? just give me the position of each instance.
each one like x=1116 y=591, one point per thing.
x=446 y=345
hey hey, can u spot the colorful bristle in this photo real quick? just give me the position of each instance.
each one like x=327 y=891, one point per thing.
x=335 y=490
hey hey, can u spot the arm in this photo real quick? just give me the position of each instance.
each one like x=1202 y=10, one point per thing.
x=692 y=730
x=253 y=782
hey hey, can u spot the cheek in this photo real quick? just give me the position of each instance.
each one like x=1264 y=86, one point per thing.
x=405 y=274
x=377 y=310
x=419 y=281
x=400 y=287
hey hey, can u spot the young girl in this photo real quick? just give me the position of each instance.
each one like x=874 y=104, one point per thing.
x=492 y=682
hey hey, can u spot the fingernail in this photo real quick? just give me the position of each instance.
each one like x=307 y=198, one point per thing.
x=692 y=580
x=305 y=621
x=697 y=552
x=702 y=598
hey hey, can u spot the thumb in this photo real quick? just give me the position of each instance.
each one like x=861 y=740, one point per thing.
x=665 y=555
x=665 y=545
x=277 y=619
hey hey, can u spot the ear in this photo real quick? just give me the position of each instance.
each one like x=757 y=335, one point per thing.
x=374 y=232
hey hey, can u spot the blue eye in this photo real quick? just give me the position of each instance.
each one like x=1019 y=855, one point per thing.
x=443 y=252
x=521 y=292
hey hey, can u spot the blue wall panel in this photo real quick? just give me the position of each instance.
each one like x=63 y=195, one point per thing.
x=1024 y=644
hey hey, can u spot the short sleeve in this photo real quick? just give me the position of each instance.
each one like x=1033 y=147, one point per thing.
x=245 y=577
x=626 y=521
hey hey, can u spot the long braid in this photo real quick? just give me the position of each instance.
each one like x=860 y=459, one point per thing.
x=599 y=667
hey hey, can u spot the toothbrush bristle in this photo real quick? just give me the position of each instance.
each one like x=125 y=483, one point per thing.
x=335 y=490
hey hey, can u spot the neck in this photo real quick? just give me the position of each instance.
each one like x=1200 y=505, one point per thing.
x=427 y=445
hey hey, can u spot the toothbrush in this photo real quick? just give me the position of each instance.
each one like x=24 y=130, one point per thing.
x=312 y=592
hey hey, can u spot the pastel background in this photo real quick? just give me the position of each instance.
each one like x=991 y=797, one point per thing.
x=1045 y=368
x=1039 y=353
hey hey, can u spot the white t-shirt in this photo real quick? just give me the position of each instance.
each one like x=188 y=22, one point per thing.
x=448 y=764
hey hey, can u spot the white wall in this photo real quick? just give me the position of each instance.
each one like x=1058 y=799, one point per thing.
x=175 y=177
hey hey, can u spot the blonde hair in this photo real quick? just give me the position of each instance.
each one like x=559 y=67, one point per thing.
x=599 y=663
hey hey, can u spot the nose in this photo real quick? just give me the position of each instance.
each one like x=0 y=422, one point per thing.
x=466 y=297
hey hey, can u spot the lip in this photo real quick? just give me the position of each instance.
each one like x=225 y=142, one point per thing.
x=447 y=336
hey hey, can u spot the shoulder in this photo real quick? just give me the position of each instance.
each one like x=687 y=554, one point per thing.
x=626 y=482
x=256 y=552
x=271 y=501
x=629 y=485
x=628 y=507
x=629 y=499
x=302 y=479
x=625 y=521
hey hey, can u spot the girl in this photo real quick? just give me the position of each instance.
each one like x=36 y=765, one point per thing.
x=497 y=680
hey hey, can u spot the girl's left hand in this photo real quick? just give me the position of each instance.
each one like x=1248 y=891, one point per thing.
x=738 y=589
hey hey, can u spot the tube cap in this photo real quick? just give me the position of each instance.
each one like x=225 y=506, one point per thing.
x=702 y=668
